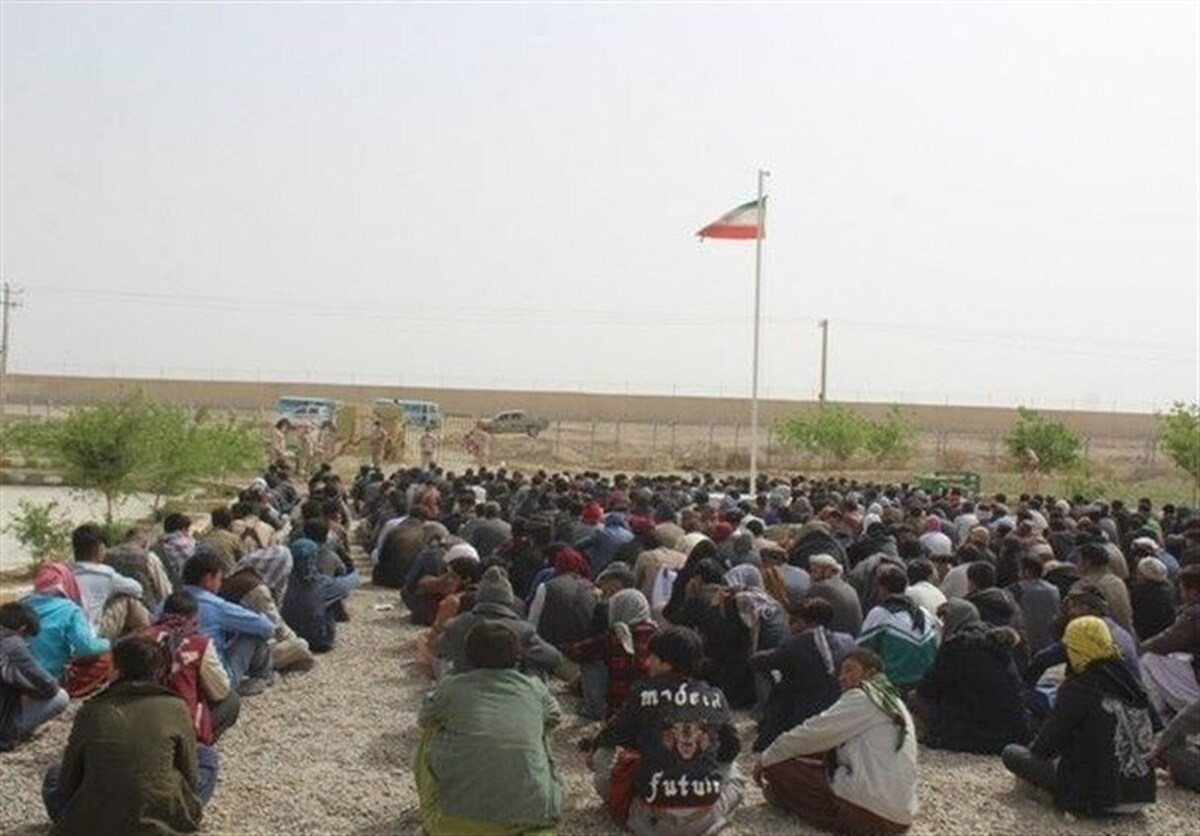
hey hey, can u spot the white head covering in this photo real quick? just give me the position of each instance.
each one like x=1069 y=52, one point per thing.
x=461 y=550
x=626 y=608
x=826 y=561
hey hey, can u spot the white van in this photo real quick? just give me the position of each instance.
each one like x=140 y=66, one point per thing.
x=415 y=413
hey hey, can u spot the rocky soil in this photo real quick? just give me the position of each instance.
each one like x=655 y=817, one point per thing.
x=329 y=752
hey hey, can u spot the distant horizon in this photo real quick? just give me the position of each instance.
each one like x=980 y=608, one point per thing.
x=410 y=385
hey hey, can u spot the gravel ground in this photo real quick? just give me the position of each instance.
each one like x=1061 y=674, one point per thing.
x=329 y=752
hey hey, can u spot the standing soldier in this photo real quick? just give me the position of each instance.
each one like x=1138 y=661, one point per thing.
x=329 y=441
x=379 y=440
x=309 y=446
x=429 y=446
x=279 y=441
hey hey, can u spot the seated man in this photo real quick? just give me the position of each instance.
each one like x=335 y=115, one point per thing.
x=1176 y=754
x=1098 y=732
x=164 y=777
x=65 y=645
x=1170 y=659
x=494 y=601
x=308 y=604
x=111 y=601
x=972 y=698
x=477 y=775
x=802 y=670
x=196 y=673
x=853 y=767
x=664 y=763
x=29 y=695
x=239 y=634
x=899 y=631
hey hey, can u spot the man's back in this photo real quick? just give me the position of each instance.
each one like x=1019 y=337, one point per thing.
x=847 y=609
x=120 y=782
x=1039 y=603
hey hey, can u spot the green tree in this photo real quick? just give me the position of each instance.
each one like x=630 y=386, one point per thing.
x=891 y=439
x=832 y=430
x=97 y=448
x=1056 y=446
x=1179 y=436
x=135 y=444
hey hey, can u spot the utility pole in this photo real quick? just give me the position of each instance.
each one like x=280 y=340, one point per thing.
x=824 y=323
x=9 y=299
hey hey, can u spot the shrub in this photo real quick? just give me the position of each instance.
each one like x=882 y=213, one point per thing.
x=41 y=528
x=1179 y=437
x=1055 y=445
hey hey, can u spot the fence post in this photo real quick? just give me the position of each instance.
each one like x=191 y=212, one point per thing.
x=654 y=438
x=767 y=451
x=708 y=456
x=992 y=450
x=618 y=438
x=592 y=443
x=1087 y=449
x=671 y=451
x=737 y=437
x=558 y=438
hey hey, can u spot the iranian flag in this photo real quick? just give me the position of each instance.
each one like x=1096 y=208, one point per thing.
x=739 y=223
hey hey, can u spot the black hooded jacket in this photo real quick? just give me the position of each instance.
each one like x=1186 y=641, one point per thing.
x=1100 y=730
x=973 y=692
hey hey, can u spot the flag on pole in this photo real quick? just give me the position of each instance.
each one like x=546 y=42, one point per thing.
x=740 y=223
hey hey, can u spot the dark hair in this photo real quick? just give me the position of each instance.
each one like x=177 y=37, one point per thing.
x=180 y=602
x=709 y=570
x=467 y=569
x=919 y=570
x=317 y=530
x=892 y=579
x=1093 y=554
x=679 y=647
x=176 y=522
x=982 y=574
x=242 y=510
x=221 y=517
x=813 y=611
x=140 y=658
x=866 y=657
x=1189 y=577
x=1030 y=562
x=86 y=539
x=492 y=645
x=19 y=618
x=311 y=509
x=200 y=565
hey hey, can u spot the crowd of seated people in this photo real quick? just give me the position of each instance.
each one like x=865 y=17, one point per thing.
x=854 y=621
x=163 y=640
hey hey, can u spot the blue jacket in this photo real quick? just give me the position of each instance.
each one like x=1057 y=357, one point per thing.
x=223 y=620
x=602 y=544
x=63 y=634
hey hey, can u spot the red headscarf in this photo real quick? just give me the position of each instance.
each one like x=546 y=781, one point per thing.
x=56 y=578
x=568 y=560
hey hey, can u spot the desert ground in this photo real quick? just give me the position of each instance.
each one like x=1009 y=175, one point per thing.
x=330 y=752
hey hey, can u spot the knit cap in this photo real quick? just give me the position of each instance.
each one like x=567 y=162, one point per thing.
x=494 y=588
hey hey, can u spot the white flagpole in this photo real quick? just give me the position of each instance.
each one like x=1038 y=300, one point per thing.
x=762 y=213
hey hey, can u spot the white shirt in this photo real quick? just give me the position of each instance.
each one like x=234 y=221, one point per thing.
x=97 y=583
x=871 y=773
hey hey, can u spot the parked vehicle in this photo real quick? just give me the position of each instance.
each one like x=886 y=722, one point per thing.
x=514 y=421
x=300 y=409
x=414 y=413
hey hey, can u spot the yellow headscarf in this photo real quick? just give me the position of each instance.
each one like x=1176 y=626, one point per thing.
x=1088 y=640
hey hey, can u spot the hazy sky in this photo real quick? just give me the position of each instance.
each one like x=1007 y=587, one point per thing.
x=991 y=202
